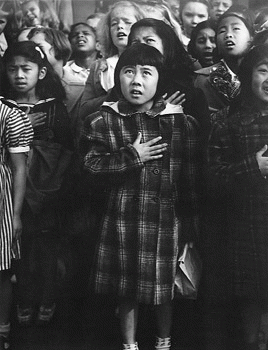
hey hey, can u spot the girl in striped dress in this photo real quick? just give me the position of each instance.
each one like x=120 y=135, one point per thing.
x=15 y=137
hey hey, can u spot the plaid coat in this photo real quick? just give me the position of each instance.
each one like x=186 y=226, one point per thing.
x=147 y=202
x=235 y=139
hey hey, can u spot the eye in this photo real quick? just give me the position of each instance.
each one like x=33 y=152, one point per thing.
x=201 y=41
x=147 y=72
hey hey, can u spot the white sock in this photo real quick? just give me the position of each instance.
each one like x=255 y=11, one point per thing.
x=130 y=346
x=4 y=329
x=163 y=343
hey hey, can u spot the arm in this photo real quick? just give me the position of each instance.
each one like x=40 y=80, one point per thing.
x=102 y=162
x=18 y=161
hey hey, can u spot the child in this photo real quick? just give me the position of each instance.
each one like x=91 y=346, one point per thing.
x=16 y=135
x=83 y=42
x=4 y=17
x=233 y=39
x=114 y=29
x=192 y=12
x=238 y=170
x=145 y=152
x=217 y=8
x=203 y=43
x=38 y=12
x=31 y=85
x=179 y=86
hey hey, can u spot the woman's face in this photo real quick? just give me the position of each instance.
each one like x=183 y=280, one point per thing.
x=147 y=35
x=192 y=14
x=233 y=37
x=204 y=45
x=259 y=84
x=122 y=19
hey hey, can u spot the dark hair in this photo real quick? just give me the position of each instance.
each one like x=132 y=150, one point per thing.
x=255 y=56
x=141 y=54
x=50 y=86
x=260 y=38
x=57 y=39
x=241 y=12
x=73 y=26
x=177 y=61
x=194 y=34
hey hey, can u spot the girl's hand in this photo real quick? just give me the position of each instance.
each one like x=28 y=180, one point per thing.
x=17 y=227
x=262 y=161
x=37 y=119
x=148 y=150
x=175 y=99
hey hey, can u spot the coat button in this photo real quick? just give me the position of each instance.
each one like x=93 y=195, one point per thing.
x=156 y=171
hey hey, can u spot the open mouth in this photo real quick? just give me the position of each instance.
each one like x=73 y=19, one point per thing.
x=229 y=44
x=136 y=92
x=121 y=35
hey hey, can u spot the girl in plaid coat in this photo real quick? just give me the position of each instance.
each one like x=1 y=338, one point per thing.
x=145 y=151
x=238 y=165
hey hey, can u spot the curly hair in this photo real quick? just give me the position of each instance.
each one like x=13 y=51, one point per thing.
x=49 y=18
x=103 y=30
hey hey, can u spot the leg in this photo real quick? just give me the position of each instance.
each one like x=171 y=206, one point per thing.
x=128 y=313
x=164 y=319
x=5 y=306
x=164 y=322
x=5 y=296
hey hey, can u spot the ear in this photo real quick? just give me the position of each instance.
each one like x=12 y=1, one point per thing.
x=42 y=73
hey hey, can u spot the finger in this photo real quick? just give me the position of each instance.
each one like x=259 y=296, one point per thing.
x=157 y=147
x=138 y=139
x=178 y=101
x=153 y=141
x=164 y=96
x=262 y=150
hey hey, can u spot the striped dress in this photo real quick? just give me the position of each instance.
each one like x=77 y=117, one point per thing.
x=15 y=134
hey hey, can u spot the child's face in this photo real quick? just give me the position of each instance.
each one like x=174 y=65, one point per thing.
x=40 y=39
x=3 y=21
x=192 y=14
x=83 y=39
x=233 y=37
x=259 y=83
x=23 y=75
x=139 y=85
x=218 y=7
x=147 y=35
x=31 y=13
x=122 y=19
x=204 y=46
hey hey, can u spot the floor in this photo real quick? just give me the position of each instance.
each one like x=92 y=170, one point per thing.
x=82 y=324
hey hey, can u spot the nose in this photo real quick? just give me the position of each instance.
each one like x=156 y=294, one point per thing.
x=228 y=34
x=136 y=79
x=80 y=34
x=194 y=19
x=19 y=73
x=221 y=8
x=120 y=24
x=208 y=43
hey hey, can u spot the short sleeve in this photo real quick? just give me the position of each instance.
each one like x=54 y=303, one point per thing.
x=19 y=131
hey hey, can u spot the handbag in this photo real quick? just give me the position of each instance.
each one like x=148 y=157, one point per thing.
x=188 y=274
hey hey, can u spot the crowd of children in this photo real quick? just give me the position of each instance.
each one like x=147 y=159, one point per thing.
x=144 y=127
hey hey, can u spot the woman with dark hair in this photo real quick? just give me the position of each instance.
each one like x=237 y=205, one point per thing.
x=202 y=43
x=238 y=169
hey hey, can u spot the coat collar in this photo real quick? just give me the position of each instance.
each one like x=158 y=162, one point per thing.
x=124 y=108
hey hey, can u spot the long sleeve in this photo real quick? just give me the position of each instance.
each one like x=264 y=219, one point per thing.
x=107 y=165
